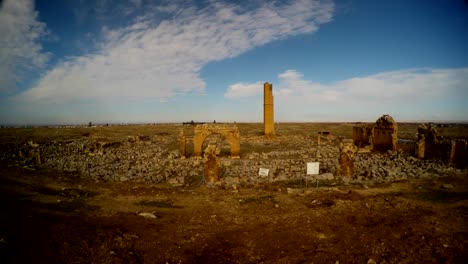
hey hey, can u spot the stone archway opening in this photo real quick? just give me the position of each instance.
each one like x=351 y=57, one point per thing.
x=201 y=132
x=221 y=143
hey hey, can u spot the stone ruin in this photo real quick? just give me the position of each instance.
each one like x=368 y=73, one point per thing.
x=362 y=136
x=212 y=166
x=430 y=145
x=381 y=136
x=324 y=137
x=346 y=159
x=268 y=110
x=201 y=132
x=153 y=159
x=385 y=136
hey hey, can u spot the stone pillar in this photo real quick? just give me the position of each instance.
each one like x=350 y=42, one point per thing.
x=346 y=159
x=420 y=147
x=212 y=164
x=182 y=144
x=268 y=110
x=451 y=156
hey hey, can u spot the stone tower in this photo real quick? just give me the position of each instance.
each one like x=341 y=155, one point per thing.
x=268 y=111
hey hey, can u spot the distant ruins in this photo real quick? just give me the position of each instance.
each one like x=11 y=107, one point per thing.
x=268 y=110
x=381 y=136
x=430 y=145
x=201 y=132
x=324 y=137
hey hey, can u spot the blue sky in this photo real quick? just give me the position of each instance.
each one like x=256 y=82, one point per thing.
x=64 y=61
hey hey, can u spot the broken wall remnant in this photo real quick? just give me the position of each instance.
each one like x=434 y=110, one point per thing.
x=431 y=145
x=381 y=136
x=268 y=110
x=324 y=136
x=385 y=136
x=362 y=135
x=212 y=164
x=231 y=133
x=346 y=159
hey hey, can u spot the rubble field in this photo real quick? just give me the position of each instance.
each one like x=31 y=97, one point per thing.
x=138 y=203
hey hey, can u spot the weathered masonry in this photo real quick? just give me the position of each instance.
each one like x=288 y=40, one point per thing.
x=431 y=145
x=268 y=110
x=201 y=132
x=380 y=136
x=385 y=134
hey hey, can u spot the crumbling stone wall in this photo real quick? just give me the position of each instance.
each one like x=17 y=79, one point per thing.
x=381 y=136
x=431 y=145
x=362 y=135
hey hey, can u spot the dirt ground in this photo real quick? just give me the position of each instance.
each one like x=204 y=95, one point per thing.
x=56 y=217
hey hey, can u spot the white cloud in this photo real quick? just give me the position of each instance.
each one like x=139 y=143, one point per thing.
x=20 y=48
x=423 y=92
x=240 y=90
x=412 y=84
x=148 y=60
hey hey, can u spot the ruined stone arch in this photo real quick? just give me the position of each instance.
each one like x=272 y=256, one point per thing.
x=231 y=133
x=221 y=142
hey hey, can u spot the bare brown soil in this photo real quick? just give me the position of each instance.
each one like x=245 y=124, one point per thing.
x=56 y=217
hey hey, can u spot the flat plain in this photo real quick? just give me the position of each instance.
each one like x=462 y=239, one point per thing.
x=53 y=216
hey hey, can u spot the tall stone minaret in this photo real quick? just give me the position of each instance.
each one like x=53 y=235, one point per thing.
x=268 y=110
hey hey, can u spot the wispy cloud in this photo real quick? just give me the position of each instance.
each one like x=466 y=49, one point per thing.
x=160 y=60
x=20 y=48
x=424 y=92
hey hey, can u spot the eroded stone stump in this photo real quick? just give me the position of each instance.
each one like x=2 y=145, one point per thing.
x=346 y=159
x=212 y=164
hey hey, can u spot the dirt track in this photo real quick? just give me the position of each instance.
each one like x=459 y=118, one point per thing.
x=54 y=217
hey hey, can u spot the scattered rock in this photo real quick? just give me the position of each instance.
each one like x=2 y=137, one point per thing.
x=148 y=215
x=32 y=144
x=123 y=179
x=447 y=186
x=326 y=176
x=294 y=191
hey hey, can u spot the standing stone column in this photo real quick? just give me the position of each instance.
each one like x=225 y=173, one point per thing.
x=268 y=110
x=182 y=144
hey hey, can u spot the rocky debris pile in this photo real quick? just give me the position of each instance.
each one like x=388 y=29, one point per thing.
x=150 y=160
x=26 y=154
x=397 y=165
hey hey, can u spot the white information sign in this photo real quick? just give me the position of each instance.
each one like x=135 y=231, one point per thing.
x=312 y=168
x=263 y=172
